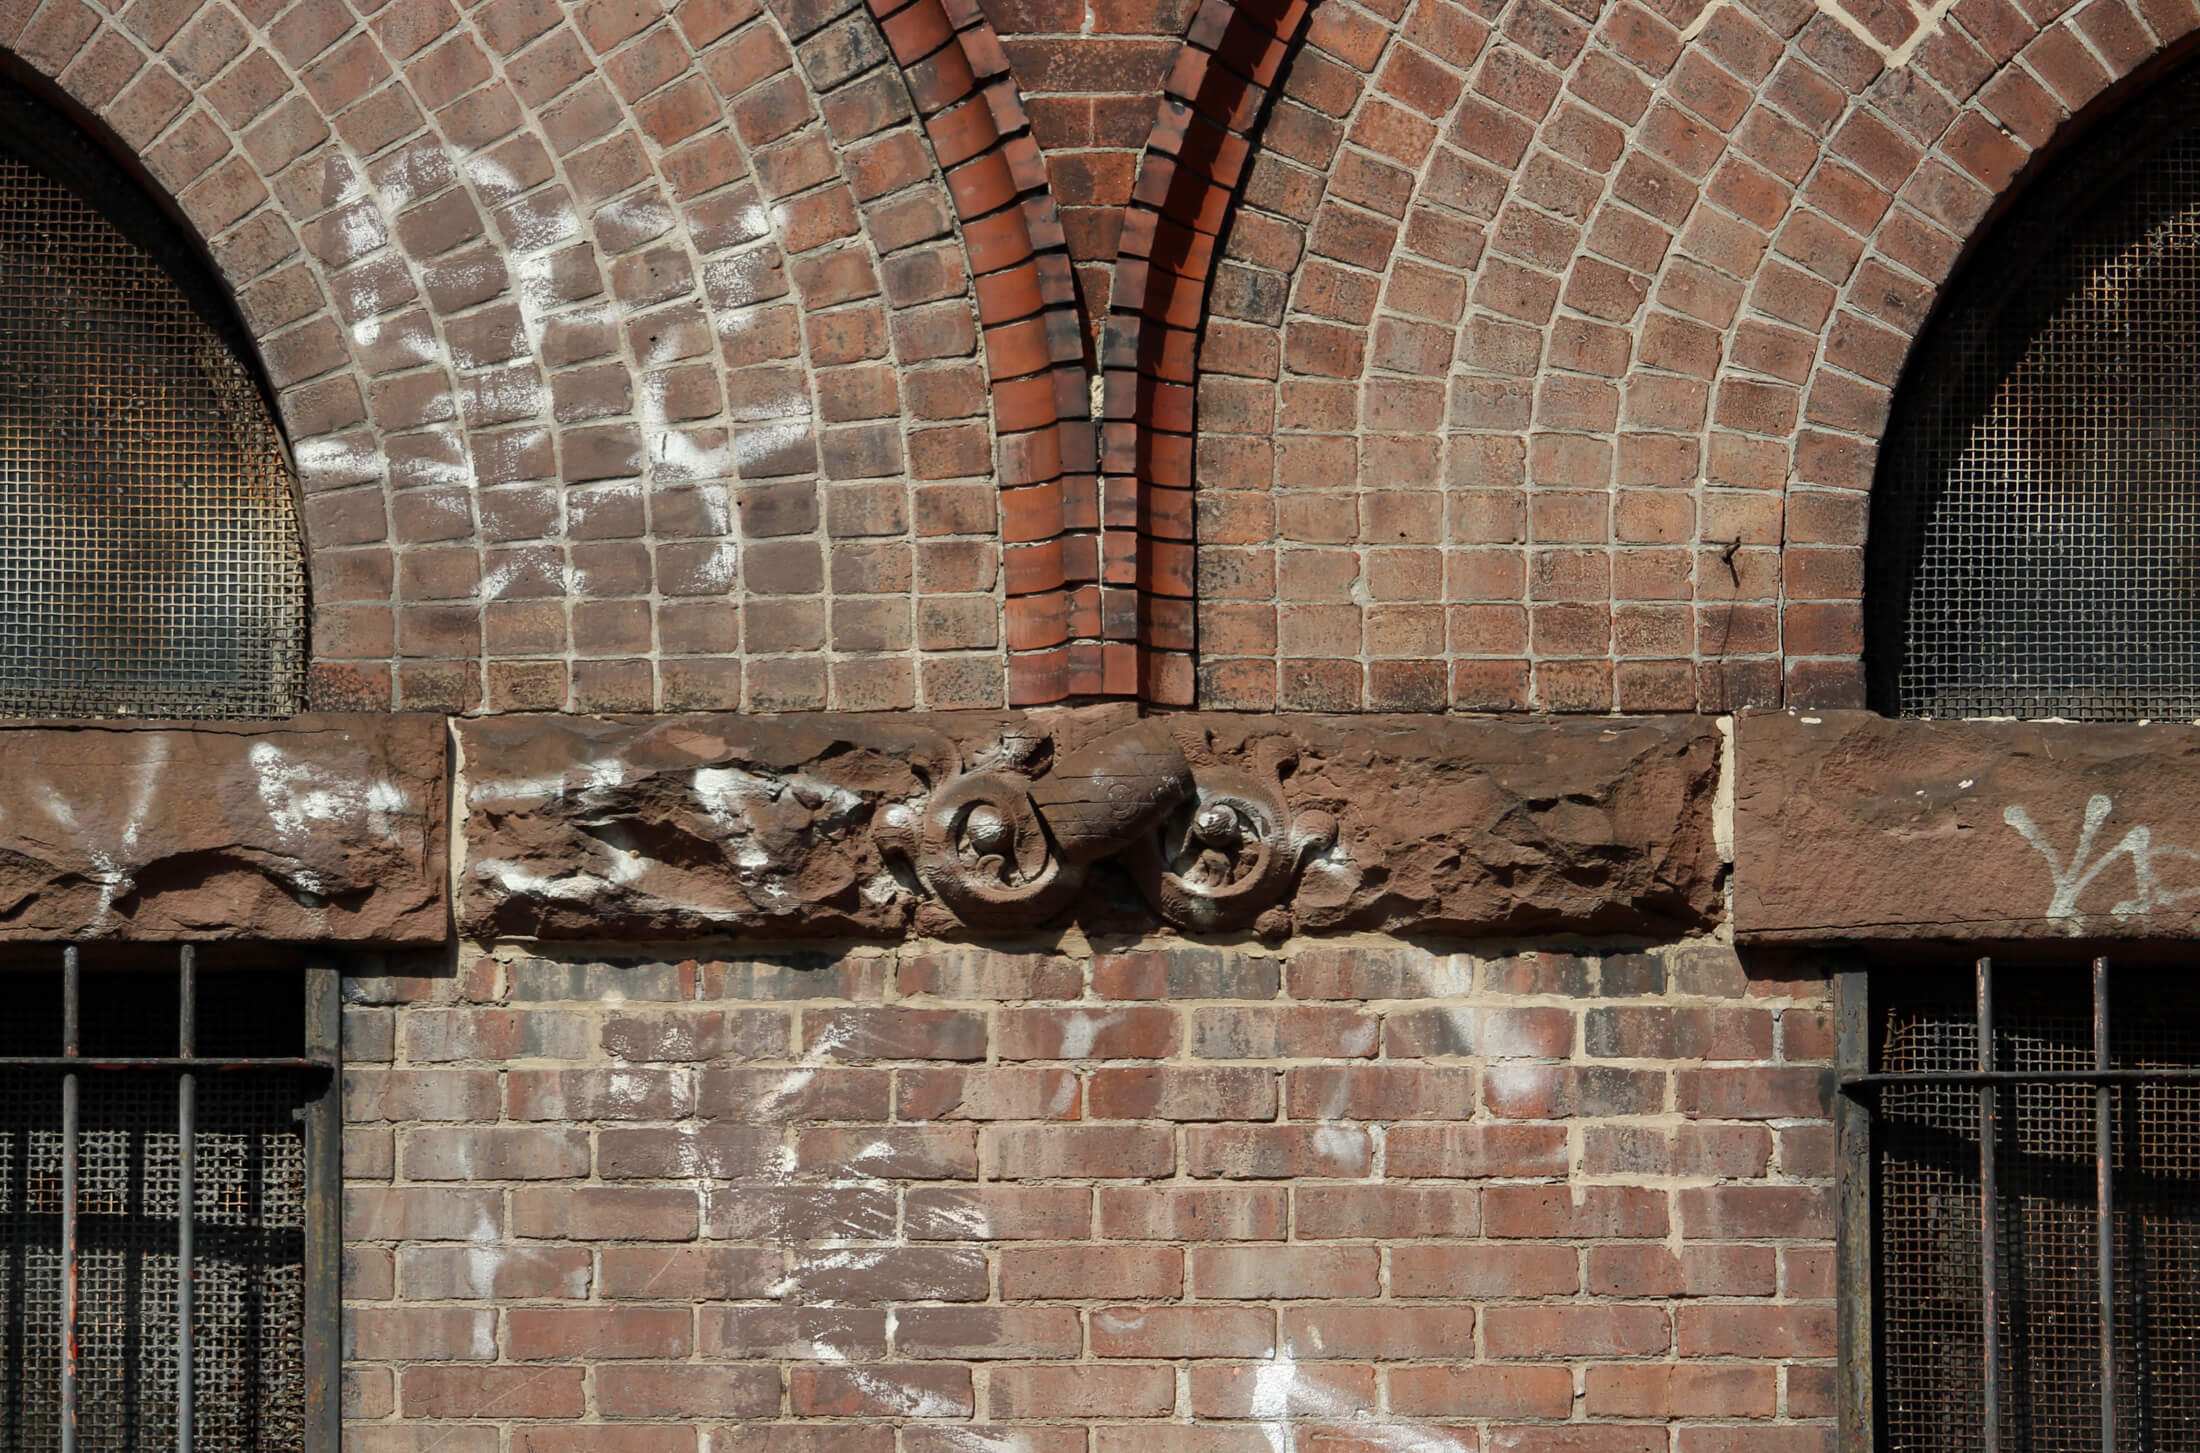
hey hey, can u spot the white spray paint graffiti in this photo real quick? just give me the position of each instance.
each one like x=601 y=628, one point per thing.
x=1928 y=18
x=2072 y=876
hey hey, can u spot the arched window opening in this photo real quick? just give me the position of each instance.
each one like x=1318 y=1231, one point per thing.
x=2035 y=533
x=150 y=560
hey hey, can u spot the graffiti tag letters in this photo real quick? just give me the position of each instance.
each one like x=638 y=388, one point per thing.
x=2072 y=876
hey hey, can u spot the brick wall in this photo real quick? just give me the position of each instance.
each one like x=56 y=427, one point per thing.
x=1349 y=1196
x=1551 y=343
x=1448 y=354
x=629 y=357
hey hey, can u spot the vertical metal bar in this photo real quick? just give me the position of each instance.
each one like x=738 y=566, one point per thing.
x=71 y=1044
x=187 y=1134
x=1852 y=1129
x=1989 y=1251
x=2104 y=1177
x=324 y=1121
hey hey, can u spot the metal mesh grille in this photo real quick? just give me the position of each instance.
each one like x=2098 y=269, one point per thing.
x=2036 y=525
x=149 y=554
x=249 y=1201
x=1930 y=1338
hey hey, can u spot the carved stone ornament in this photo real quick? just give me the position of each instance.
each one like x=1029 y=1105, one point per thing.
x=664 y=828
x=1232 y=852
x=1211 y=845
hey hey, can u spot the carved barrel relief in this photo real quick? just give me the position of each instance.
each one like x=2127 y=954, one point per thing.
x=1210 y=845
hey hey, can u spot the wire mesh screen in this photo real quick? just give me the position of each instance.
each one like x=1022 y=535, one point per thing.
x=250 y=1199
x=2035 y=543
x=249 y=1195
x=1929 y=1288
x=149 y=555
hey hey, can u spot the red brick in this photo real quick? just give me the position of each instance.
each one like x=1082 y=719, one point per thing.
x=1091 y=1272
x=1482 y=1390
x=1085 y=1152
x=534 y=1334
x=1283 y=1273
x=1087 y=1034
x=1182 y=1332
x=1576 y=1331
x=1463 y=1272
x=987 y=1333
x=675 y=1391
x=1087 y=1390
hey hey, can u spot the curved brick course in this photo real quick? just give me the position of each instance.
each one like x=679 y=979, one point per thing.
x=1211 y=106
x=626 y=352
x=1027 y=302
x=1549 y=350
x=1525 y=356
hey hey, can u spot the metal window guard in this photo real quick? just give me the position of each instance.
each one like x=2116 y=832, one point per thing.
x=1989 y=1082
x=71 y=1063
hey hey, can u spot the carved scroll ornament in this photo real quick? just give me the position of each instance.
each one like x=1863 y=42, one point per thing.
x=1212 y=846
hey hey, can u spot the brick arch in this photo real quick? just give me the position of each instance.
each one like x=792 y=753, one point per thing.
x=1562 y=393
x=2046 y=88
x=1334 y=185
x=627 y=352
x=959 y=78
x=1188 y=175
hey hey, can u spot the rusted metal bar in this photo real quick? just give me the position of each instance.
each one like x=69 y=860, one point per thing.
x=1852 y=1121
x=2013 y=1077
x=324 y=1122
x=283 y=1062
x=1988 y=1194
x=2104 y=1201
x=71 y=1042
x=187 y=1135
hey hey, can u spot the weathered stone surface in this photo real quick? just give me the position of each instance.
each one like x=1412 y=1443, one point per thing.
x=588 y=827
x=1504 y=827
x=324 y=828
x=710 y=826
x=1850 y=826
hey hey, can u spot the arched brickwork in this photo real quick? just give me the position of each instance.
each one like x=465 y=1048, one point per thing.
x=1547 y=369
x=628 y=352
x=1212 y=102
x=1027 y=303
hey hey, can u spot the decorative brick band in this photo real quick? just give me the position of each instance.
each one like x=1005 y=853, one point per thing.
x=1202 y=139
x=1027 y=310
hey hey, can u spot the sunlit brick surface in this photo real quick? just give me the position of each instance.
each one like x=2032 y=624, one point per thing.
x=1322 y=1197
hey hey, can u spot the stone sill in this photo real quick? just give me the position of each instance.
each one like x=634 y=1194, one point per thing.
x=1854 y=828
x=669 y=828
